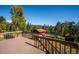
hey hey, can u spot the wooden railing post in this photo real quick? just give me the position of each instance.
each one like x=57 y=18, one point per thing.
x=55 y=47
x=70 y=49
x=52 y=49
x=43 y=43
x=77 y=49
x=60 y=47
x=46 y=43
x=65 y=49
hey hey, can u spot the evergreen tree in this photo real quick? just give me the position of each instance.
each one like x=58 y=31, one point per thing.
x=18 y=19
x=2 y=24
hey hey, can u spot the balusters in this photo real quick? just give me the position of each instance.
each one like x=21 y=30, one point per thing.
x=70 y=49
x=77 y=49
x=48 y=45
x=60 y=47
x=36 y=41
x=52 y=48
x=41 y=46
x=44 y=44
x=4 y=36
x=55 y=47
x=64 y=49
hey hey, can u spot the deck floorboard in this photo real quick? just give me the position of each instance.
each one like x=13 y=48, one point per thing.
x=19 y=45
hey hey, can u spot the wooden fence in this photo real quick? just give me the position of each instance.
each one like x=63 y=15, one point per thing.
x=8 y=35
x=54 y=46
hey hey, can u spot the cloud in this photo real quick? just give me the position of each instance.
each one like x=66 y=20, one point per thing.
x=9 y=21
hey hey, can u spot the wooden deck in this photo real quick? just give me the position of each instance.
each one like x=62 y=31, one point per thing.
x=19 y=45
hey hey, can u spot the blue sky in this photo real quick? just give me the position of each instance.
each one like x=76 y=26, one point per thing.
x=45 y=14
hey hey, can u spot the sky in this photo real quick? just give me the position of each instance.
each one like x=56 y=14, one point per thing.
x=45 y=14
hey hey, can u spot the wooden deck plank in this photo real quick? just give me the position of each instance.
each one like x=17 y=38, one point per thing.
x=18 y=46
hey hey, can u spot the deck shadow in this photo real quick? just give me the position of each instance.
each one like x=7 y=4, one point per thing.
x=33 y=46
x=30 y=44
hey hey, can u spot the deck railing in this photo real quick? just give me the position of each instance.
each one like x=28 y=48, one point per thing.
x=46 y=44
x=8 y=35
x=54 y=46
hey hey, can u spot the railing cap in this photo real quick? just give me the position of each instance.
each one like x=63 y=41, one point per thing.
x=11 y=32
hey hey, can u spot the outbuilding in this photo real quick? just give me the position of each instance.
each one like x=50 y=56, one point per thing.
x=40 y=31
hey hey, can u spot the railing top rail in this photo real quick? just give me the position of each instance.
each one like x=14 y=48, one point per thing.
x=11 y=32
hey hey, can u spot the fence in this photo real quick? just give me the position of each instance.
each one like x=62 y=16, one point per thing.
x=54 y=46
x=47 y=44
x=8 y=35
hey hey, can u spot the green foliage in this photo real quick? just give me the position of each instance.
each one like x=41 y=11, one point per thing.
x=68 y=27
x=28 y=27
x=18 y=19
x=57 y=28
x=58 y=31
x=2 y=24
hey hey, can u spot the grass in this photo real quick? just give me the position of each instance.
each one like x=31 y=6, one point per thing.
x=56 y=36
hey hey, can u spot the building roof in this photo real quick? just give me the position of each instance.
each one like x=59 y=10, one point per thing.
x=41 y=30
